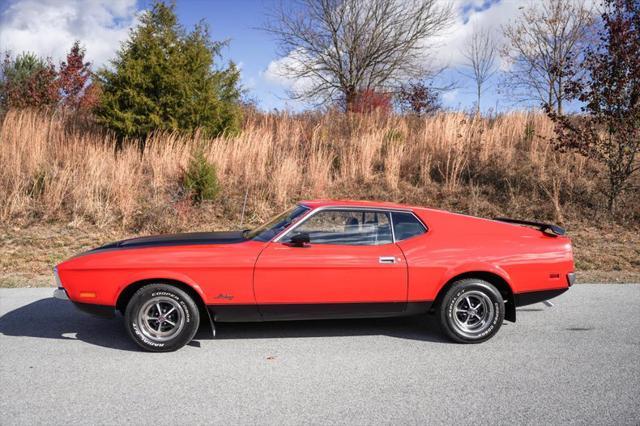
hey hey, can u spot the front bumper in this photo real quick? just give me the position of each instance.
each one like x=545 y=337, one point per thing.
x=99 y=310
x=60 y=293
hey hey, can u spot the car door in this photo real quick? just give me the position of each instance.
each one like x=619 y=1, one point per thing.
x=349 y=268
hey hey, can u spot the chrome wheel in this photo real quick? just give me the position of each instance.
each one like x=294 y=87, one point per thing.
x=473 y=313
x=161 y=318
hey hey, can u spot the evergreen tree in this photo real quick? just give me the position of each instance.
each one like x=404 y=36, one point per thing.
x=163 y=78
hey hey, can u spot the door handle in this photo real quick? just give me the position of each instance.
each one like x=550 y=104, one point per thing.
x=387 y=259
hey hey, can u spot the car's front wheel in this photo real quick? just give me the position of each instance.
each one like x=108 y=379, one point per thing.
x=161 y=318
x=471 y=311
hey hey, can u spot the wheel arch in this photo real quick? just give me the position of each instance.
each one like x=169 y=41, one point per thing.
x=499 y=282
x=127 y=293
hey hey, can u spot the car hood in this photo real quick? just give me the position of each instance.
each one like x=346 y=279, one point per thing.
x=185 y=239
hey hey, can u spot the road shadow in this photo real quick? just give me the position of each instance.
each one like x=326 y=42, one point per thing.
x=57 y=319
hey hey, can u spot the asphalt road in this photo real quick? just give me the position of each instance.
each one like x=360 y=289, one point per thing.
x=578 y=362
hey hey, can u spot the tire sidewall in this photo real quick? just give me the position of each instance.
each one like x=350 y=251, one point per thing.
x=447 y=310
x=192 y=317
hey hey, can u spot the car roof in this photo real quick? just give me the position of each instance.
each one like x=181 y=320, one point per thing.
x=314 y=204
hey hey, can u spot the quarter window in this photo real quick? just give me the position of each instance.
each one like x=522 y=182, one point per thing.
x=406 y=225
x=346 y=227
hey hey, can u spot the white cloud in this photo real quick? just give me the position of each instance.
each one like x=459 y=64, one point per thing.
x=49 y=27
x=471 y=15
x=481 y=14
x=451 y=96
x=278 y=71
x=276 y=74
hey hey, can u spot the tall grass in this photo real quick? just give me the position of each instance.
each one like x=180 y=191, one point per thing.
x=54 y=171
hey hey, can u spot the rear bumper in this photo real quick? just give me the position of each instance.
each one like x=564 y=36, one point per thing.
x=529 y=298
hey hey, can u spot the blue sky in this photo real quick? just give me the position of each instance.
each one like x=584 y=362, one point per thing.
x=250 y=48
x=48 y=28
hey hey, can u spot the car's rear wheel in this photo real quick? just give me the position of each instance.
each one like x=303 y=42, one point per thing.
x=471 y=311
x=161 y=318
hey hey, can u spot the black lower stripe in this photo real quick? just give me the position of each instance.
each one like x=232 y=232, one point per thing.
x=285 y=312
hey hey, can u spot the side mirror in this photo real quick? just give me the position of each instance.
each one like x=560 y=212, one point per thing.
x=300 y=239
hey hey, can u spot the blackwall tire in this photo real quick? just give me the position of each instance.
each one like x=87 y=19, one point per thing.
x=161 y=318
x=472 y=311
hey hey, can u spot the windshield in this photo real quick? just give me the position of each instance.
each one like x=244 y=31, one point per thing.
x=273 y=227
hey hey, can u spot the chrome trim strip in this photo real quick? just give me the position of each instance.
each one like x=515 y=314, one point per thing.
x=355 y=208
x=393 y=231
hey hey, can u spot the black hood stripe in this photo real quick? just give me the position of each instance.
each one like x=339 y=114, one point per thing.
x=186 y=239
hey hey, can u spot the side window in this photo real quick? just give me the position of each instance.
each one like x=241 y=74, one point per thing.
x=346 y=227
x=405 y=225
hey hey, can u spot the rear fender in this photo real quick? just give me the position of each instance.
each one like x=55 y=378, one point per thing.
x=478 y=269
x=475 y=267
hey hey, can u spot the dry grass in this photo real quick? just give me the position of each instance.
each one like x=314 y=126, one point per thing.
x=69 y=176
x=54 y=171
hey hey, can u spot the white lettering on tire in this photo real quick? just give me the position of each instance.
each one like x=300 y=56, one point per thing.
x=143 y=337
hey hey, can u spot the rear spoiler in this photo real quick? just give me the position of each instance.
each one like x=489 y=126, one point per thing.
x=547 y=228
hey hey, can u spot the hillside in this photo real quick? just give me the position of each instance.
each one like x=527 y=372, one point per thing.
x=64 y=187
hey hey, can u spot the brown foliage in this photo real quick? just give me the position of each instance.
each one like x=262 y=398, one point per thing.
x=28 y=81
x=418 y=98
x=609 y=129
x=368 y=101
x=73 y=79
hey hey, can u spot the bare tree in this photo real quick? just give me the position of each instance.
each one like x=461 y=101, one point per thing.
x=543 y=47
x=480 y=53
x=336 y=49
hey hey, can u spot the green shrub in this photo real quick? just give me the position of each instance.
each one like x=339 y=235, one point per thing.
x=393 y=135
x=201 y=179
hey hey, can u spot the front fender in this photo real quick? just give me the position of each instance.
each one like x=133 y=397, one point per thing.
x=159 y=274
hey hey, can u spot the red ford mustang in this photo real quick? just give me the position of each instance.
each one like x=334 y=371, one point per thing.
x=325 y=259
